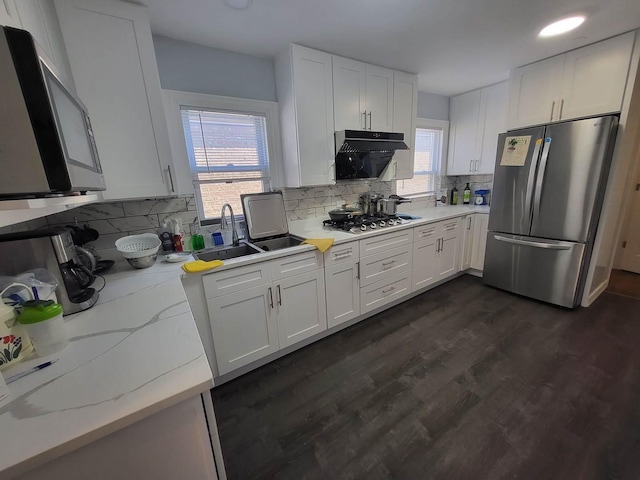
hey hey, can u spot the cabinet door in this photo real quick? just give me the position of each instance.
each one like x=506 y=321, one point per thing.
x=479 y=241
x=448 y=260
x=244 y=327
x=463 y=133
x=468 y=225
x=595 y=78
x=343 y=292
x=493 y=110
x=405 y=108
x=424 y=263
x=379 y=103
x=534 y=92
x=9 y=14
x=313 y=90
x=348 y=94
x=301 y=307
x=114 y=68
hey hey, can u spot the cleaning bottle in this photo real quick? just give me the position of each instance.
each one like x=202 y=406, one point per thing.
x=454 y=196
x=466 y=195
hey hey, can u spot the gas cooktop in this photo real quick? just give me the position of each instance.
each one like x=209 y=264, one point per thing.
x=364 y=223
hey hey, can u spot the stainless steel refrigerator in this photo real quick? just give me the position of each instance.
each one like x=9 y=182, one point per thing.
x=548 y=189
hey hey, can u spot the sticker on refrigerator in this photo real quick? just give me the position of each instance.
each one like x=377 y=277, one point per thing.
x=515 y=151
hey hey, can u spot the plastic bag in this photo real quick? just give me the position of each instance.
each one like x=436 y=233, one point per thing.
x=34 y=284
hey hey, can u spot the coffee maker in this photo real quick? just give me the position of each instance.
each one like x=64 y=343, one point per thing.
x=53 y=249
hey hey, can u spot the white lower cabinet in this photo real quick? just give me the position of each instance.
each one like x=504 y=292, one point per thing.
x=468 y=225
x=479 y=240
x=343 y=292
x=259 y=309
x=385 y=291
x=301 y=307
x=244 y=327
x=435 y=253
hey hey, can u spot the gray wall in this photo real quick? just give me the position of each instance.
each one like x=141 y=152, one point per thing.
x=195 y=68
x=433 y=106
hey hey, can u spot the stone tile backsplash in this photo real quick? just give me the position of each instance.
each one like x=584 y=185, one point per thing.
x=476 y=182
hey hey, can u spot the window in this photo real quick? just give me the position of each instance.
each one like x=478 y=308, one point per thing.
x=229 y=144
x=228 y=157
x=429 y=153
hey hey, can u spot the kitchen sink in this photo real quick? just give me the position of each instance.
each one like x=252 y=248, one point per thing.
x=279 y=243
x=225 y=253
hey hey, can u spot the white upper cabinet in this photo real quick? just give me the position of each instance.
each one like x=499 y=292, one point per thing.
x=349 y=97
x=362 y=96
x=584 y=82
x=39 y=18
x=476 y=119
x=9 y=14
x=532 y=93
x=405 y=111
x=379 y=85
x=595 y=78
x=114 y=67
x=305 y=96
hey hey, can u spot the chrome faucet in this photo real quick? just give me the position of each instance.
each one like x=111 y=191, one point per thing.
x=223 y=223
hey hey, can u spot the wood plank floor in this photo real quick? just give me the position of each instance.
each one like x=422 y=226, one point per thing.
x=462 y=382
x=624 y=283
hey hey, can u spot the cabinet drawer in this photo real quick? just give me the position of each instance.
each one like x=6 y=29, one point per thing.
x=385 y=264
x=236 y=279
x=385 y=291
x=381 y=243
x=447 y=227
x=425 y=232
x=296 y=264
x=342 y=253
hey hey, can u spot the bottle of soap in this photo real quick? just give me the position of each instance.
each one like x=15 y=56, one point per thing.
x=454 y=196
x=466 y=195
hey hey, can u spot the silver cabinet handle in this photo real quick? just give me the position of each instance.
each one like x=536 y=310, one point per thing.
x=469 y=224
x=171 y=178
x=553 y=106
x=358 y=270
x=388 y=263
x=471 y=165
x=437 y=245
x=346 y=253
x=364 y=114
x=476 y=165
x=561 y=108
x=526 y=243
x=426 y=233
x=369 y=119
x=390 y=289
x=270 y=298
x=279 y=295
x=395 y=169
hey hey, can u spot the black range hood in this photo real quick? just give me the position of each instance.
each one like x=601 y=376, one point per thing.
x=365 y=154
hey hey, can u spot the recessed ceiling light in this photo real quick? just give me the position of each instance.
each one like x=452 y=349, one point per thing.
x=239 y=4
x=561 y=26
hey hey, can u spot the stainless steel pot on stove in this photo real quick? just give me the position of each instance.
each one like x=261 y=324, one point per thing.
x=389 y=205
x=369 y=203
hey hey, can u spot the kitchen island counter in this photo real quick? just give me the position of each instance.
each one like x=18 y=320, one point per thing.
x=135 y=353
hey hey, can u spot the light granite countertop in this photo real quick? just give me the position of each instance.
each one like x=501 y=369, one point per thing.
x=133 y=354
x=313 y=227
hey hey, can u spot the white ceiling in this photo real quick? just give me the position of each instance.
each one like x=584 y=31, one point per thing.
x=454 y=45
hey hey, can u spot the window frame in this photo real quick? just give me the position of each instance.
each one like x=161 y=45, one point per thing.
x=175 y=101
x=440 y=164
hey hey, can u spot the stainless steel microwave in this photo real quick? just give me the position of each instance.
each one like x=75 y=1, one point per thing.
x=46 y=142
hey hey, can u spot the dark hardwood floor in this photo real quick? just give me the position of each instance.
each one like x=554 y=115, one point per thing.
x=462 y=382
x=624 y=283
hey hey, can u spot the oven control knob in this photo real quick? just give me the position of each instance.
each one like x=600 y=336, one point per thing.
x=363 y=227
x=382 y=223
x=391 y=222
x=373 y=226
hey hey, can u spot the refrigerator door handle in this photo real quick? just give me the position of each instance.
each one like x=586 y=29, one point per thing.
x=530 y=179
x=540 y=179
x=515 y=241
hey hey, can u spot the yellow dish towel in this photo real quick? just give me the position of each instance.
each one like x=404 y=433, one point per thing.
x=201 y=266
x=322 y=244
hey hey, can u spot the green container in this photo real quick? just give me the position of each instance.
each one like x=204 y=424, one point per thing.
x=36 y=311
